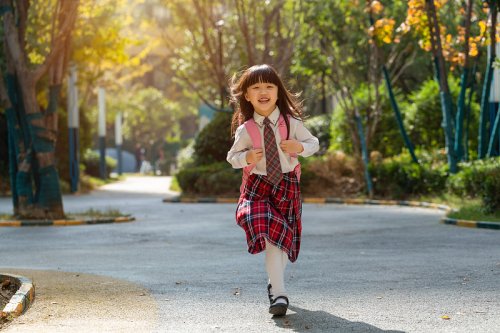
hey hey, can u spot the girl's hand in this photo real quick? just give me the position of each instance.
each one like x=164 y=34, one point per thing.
x=291 y=146
x=254 y=155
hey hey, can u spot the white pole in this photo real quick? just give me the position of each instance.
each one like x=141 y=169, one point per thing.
x=73 y=121
x=102 y=131
x=73 y=124
x=119 y=141
x=118 y=129
x=102 y=111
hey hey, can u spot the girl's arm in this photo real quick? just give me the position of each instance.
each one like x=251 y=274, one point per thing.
x=308 y=141
x=242 y=143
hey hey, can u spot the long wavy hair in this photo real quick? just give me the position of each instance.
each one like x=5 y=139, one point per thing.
x=288 y=102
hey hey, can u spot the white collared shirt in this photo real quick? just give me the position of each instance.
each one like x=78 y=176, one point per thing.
x=243 y=143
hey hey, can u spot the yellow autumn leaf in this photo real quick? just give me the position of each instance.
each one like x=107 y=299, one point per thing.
x=482 y=27
x=445 y=317
x=473 y=52
x=376 y=7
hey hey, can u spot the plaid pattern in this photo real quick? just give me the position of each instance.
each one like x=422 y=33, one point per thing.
x=271 y=211
x=273 y=165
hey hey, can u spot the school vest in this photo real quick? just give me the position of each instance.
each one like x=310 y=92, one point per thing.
x=257 y=141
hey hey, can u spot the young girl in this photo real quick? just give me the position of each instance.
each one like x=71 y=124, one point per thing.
x=269 y=137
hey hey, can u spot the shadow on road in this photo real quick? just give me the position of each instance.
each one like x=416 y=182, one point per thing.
x=320 y=321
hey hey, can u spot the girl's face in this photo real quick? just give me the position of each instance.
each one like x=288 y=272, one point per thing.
x=263 y=97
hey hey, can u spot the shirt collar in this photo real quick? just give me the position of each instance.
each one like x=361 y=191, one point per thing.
x=273 y=117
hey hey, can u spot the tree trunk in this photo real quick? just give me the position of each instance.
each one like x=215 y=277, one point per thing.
x=441 y=76
x=459 y=148
x=33 y=132
x=484 y=116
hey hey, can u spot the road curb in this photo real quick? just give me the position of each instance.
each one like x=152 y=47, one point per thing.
x=354 y=201
x=317 y=200
x=471 y=224
x=46 y=223
x=21 y=300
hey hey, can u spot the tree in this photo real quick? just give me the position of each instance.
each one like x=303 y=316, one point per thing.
x=151 y=119
x=449 y=53
x=222 y=37
x=343 y=49
x=33 y=125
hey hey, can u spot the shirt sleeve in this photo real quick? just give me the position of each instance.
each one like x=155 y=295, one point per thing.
x=308 y=141
x=238 y=152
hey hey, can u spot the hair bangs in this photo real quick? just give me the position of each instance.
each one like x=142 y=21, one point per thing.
x=261 y=74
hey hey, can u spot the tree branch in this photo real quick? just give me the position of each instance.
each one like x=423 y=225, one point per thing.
x=22 y=12
x=13 y=46
x=70 y=14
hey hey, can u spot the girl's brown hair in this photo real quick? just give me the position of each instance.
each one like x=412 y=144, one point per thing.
x=288 y=103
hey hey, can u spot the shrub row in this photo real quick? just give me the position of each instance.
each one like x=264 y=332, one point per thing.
x=212 y=179
x=398 y=177
x=479 y=179
x=91 y=159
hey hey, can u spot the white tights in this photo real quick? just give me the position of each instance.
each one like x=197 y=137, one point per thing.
x=276 y=261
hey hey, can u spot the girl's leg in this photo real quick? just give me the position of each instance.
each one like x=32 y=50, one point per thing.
x=276 y=261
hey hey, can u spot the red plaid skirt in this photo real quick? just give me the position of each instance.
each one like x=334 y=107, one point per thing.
x=271 y=211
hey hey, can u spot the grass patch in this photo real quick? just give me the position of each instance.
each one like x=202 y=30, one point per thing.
x=174 y=185
x=94 y=213
x=453 y=201
x=90 y=213
x=474 y=213
x=5 y=216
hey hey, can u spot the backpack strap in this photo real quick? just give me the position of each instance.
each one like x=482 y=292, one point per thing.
x=256 y=138
x=254 y=133
x=283 y=131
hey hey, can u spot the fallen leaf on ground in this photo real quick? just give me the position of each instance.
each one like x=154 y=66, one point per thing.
x=445 y=317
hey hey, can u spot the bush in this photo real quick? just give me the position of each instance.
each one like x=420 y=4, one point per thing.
x=481 y=179
x=214 y=141
x=334 y=174
x=212 y=179
x=90 y=161
x=399 y=177
x=423 y=114
x=387 y=138
x=320 y=128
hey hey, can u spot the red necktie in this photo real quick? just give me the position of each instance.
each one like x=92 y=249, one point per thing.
x=273 y=165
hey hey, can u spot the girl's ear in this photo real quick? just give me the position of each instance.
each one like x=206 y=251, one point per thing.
x=246 y=97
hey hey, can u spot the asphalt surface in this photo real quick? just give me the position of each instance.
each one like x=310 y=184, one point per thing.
x=361 y=268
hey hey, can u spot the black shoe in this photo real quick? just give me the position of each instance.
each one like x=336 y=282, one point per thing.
x=279 y=309
x=269 y=294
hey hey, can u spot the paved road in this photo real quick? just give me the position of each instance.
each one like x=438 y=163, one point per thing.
x=361 y=269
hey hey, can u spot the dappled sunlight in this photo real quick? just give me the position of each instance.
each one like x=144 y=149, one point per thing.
x=140 y=184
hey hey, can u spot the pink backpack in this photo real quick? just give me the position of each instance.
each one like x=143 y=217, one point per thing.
x=254 y=133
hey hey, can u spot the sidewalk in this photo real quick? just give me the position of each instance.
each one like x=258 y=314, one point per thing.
x=76 y=302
